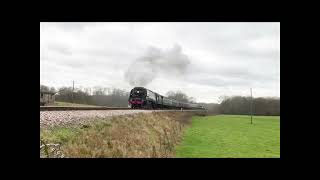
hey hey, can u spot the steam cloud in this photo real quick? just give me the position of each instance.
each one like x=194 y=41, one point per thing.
x=155 y=61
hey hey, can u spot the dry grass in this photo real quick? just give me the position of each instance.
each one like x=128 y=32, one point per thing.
x=137 y=136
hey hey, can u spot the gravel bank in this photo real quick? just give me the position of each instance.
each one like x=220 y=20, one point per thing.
x=52 y=118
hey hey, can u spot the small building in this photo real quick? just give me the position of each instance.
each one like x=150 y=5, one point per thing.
x=47 y=98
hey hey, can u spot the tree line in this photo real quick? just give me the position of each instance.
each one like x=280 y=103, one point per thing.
x=99 y=96
x=242 y=105
x=119 y=98
x=104 y=96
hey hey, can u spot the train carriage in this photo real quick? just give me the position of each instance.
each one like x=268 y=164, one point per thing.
x=143 y=98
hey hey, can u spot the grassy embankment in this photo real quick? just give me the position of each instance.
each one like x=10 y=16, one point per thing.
x=139 y=135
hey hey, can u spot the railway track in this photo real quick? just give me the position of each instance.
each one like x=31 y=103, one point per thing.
x=59 y=115
x=81 y=108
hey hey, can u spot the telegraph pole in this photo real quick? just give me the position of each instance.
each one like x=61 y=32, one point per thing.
x=251 y=104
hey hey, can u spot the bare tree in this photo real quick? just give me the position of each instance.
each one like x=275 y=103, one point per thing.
x=179 y=96
x=44 y=88
x=52 y=89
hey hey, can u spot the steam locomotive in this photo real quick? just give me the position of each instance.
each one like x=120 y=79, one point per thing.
x=142 y=98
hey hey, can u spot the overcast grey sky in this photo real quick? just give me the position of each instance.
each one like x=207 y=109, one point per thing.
x=215 y=59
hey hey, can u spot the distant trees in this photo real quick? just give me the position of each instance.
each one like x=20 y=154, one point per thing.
x=241 y=105
x=266 y=106
x=119 y=98
x=47 y=88
x=65 y=94
x=212 y=108
x=180 y=96
x=44 y=88
x=100 y=96
x=112 y=97
x=52 y=89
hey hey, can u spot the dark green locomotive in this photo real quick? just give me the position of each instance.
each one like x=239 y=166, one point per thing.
x=142 y=98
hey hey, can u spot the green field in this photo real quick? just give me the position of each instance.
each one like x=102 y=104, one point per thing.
x=231 y=136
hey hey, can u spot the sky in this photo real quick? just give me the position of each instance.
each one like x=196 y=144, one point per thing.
x=204 y=60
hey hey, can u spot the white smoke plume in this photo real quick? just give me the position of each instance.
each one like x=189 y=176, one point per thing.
x=155 y=61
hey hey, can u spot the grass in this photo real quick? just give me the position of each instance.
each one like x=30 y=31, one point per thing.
x=59 y=134
x=58 y=103
x=231 y=136
x=139 y=135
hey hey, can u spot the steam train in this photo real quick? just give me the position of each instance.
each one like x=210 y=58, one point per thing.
x=142 y=98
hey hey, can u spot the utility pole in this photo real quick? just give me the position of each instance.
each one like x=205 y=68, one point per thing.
x=251 y=104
